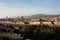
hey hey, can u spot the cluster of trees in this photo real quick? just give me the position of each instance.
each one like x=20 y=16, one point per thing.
x=41 y=32
x=9 y=28
x=4 y=38
x=34 y=32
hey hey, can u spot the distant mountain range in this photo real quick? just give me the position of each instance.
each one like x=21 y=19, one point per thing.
x=44 y=15
x=39 y=15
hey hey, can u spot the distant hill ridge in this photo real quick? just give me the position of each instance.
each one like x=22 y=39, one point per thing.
x=45 y=15
x=39 y=15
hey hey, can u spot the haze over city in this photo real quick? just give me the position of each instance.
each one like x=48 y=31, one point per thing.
x=13 y=8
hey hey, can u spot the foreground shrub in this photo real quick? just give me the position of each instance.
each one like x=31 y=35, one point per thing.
x=42 y=32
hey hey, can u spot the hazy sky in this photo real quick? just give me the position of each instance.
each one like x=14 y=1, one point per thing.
x=28 y=7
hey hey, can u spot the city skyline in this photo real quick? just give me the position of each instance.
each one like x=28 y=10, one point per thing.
x=28 y=7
